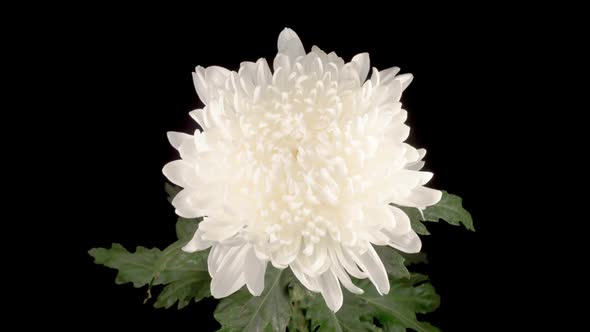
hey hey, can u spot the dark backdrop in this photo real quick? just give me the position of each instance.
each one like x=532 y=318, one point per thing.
x=129 y=82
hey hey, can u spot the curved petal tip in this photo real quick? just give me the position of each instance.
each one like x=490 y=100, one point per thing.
x=290 y=44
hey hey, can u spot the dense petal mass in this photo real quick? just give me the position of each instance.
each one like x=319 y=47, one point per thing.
x=298 y=167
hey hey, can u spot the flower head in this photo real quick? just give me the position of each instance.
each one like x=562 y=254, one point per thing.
x=298 y=166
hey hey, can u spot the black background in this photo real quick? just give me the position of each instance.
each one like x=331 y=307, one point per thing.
x=128 y=81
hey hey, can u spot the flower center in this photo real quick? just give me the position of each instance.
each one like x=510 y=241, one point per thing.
x=301 y=156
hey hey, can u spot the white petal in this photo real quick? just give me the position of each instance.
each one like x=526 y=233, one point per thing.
x=362 y=64
x=378 y=237
x=261 y=252
x=189 y=215
x=405 y=80
x=188 y=151
x=391 y=94
x=224 y=279
x=380 y=216
x=176 y=138
x=200 y=141
x=402 y=221
x=415 y=166
x=421 y=153
x=215 y=229
x=342 y=275
x=216 y=77
x=319 y=52
x=409 y=242
x=197 y=243
x=199 y=116
x=263 y=74
x=349 y=73
x=388 y=75
x=290 y=44
x=216 y=255
x=184 y=204
x=370 y=262
x=247 y=72
x=213 y=112
x=317 y=263
x=201 y=84
x=423 y=197
x=180 y=173
x=309 y=63
x=401 y=133
x=307 y=281
x=281 y=61
x=287 y=253
x=254 y=272
x=247 y=86
x=400 y=116
x=424 y=177
x=331 y=291
x=348 y=262
x=208 y=81
x=410 y=154
x=223 y=290
x=336 y=60
x=411 y=179
x=375 y=77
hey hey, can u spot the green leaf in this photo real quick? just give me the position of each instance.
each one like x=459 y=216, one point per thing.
x=193 y=285
x=415 y=220
x=393 y=261
x=397 y=310
x=353 y=316
x=298 y=322
x=184 y=275
x=171 y=190
x=185 y=228
x=417 y=258
x=449 y=209
x=138 y=268
x=417 y=225
x=186 y=278
x=268 y=312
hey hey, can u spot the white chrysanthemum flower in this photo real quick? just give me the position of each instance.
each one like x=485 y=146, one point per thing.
x=298 y=167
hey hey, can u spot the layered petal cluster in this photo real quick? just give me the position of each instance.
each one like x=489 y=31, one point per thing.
x=299 y=166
